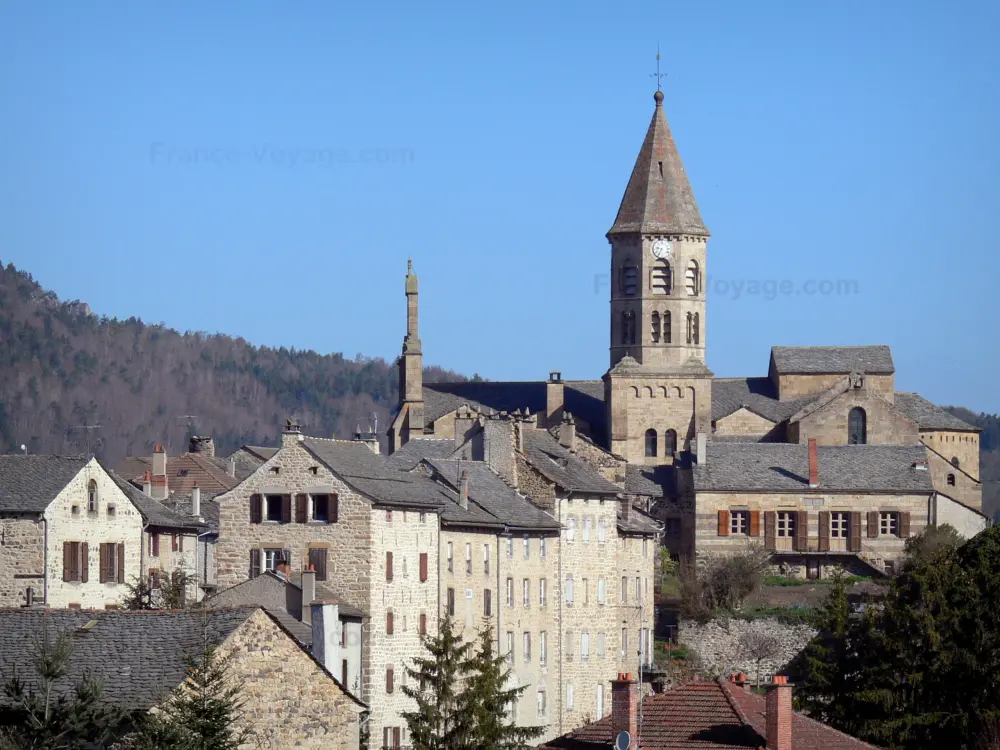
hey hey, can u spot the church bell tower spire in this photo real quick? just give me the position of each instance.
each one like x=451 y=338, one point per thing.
x=409 y=419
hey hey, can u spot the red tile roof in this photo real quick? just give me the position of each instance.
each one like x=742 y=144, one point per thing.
x=183 y=473
x=704 y=716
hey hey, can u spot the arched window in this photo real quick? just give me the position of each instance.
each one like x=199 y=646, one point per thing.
x=697 y=327
x=630 y=281
x=693 y=279
x=656 y=328
x=665 y=325
x=690 y=321
x=650 y=443
x=670 y=438
x=955 y=462
x=951 y=480
x=857 y=427
x=628 y=327
x=92 y=496
x=662 y=277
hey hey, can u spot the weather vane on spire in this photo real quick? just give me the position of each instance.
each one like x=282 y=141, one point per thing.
x=658 y=75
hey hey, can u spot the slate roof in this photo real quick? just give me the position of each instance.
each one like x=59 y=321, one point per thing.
x=758 y=395
x=490 y=498
x=658 y=197
x=784 y=467
x=374 y=476
x=702 y=716
x=813 y=360
x=153 y=511
x=180 y=502
x=929 y=416
x=638 y=523
x=29 y=483
x=558 y=465
x=417 y=449
x=139 y=656
x=654 y=481
x=263 y=452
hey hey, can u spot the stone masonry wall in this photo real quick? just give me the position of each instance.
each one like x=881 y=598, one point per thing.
x=797 y=386
x=184 y=558
x=964 y=489
x=123 y=526
x=743 y=422
x=291 y=700
x=884 y=424
x=961 y=445
x=22 y=559
x=722 y=645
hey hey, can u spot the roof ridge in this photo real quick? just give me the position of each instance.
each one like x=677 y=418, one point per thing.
x=731 y=700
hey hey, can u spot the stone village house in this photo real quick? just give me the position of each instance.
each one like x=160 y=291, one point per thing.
x=290 y=699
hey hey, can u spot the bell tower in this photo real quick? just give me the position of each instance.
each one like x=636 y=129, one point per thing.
x=409 y=418
x=658 y=390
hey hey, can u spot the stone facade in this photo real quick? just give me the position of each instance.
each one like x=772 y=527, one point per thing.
x=172 y=552
x=966 y=521
x=828 y=423
x=290 y=700
x=954 y=482
x=721 y=645
x=22 y=559
x=793 y=386
x=952 y=445
x=743 y=423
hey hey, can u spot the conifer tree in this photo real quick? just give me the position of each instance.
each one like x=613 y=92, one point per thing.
x=823 y=693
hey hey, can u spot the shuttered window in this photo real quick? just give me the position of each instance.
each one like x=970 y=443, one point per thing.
x=318 y=560
x=76 y=562
x=422 y=626
x=487 y=603
x=388 y=566
x=451 y=602
x=256 y=508
x=389 y=681
x=388 y=622
x=423 y=566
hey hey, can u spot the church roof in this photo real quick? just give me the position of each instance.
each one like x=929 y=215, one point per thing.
x=818 y=360
x=927 y=415
x=658 y=197
x=756 y=394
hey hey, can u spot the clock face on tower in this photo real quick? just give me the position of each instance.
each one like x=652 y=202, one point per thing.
x=662 y=249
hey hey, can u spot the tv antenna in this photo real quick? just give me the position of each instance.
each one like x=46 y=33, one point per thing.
x=88 y=428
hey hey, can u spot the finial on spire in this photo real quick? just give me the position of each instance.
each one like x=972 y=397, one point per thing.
x=409 y=265
x=658 y=76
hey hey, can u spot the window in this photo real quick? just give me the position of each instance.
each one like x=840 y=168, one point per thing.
x=422 y=624
x=449 y=557
x=391 y=738
x=602 y=528
x=569 y=589
x=486 y=559
x=526 y=647
x=487 y=603
x=389 y=681
x=857 y=427
x=839 y=525
x=655 y=328
x=650 y=443
x=321 y=510
x=643 y=642
x=388 y=516
x=624 y=641
x=542 y=592
x=388 y=566
x=696 y=329
x=510 y=548
x=468 y=559
x=624 y=590
x=586 y=531
x=510 y=647
x=422 y=558
x=690 y=327
x=630 y=281
x=670 y=438
x=568 y=649
x=600 y=702
x=388 y=622
x=584 y=646
x=451 y=602
x=586 y=591
x=665 y=333
x=888 y=523
x=570 y=530
x=526 y=593
x=543 y=647
x=318 y=560
x=628 y=327
x=739 y=522
x=274 y=504
x=510 y=592
x=638 y=589
x=662 y=278
x=601 y=590
x=154 y=545
x=92 y=496
x=645 y=547
x=692 y=279
x=600 y=645
x=423 y=517
x=273 y=559
x=951 y=480
x=786 y=524
x=76 y=561
x=569 y=696
x=540 y=704
x=112 y=562
x=526 y=543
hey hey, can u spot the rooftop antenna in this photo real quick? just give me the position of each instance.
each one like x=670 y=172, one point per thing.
x=88 y=428
x=190 y=424
x=658 y=75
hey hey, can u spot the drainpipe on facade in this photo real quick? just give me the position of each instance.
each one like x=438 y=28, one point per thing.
x=562 y=641
x=45 y=560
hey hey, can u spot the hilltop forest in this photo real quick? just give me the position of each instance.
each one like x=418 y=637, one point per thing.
x=64 y=371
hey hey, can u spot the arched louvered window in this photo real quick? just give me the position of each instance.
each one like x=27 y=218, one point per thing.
x=662 y=277
x=628 y=327
x=670 y=438
x=690 y=327
x=693 y=278
x=630 y=281
x=951 y=480
x=650 y=443
x=92 y=496
x=697 y=328
x=857 y=426
x=655 y=328
x=665 y=326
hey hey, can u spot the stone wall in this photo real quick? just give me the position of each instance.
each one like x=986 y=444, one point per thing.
x=966 y=522
x=954 y=483
x=797 y=386
x=961 y=445
x=721 y=644
x=184 y=558
x=290 y=700
x=743 y=422
x=22 y=559
x=828 y=424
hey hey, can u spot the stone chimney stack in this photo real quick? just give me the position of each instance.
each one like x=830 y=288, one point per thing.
x=147 y=483
x=813 y=464
x=567 y=432
x=159 y=490
x=231 y=467
x=196 y=501
x=625 y=708
x=463 y=490
x=203 y=445
x=292 y=433
x=498 y=448
x=779 y=715
x=555 y=399
x=308 y=593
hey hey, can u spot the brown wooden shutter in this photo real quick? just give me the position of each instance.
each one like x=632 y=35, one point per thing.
x=872 y=524
x=423 y=624
x=317 y=558
x=755 y=523
x=156 y=544
x=67 y=561
x=801 y=540
x=286 y=508
x=388 y=566
x=388 y=622
x=824 y=531
x=301 y=506
x=343 y=672
x=121 y=563
x=854 y=532
x=103 y=576
x=423 y=566
x=333 y=514
x=254 y=563
x=904 y=525
x=723 y=523
x=180 y=542
x=385 y=737
x=487 y=603
x=451 y=601
x=84 y=562
x=389 y=680
x=256 y=508
x=173 y=542
x=770 y=529
x=395 y=737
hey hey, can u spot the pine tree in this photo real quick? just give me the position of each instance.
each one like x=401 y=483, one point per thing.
x=488 y=698
x=823 y=691
x=438 y=723
x=171 y=593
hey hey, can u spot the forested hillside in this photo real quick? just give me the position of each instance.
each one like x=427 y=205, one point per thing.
x=63 y=369
x=989 y=452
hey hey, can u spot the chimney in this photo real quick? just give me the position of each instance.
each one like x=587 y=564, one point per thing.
x=701 y=448
x=369 y=439
x=813 y=464
x=196 y=501
x=231 y=468
x=159 y=489
x=554 y=399
x=308 y=593
x=567 y=432
x=147 y=483
x=498 y=447
x=463 y=490
x=741 y=681
x=205 y=445
x=325 y=617
x=292 y=433
x=625 y=708
x=779 y=714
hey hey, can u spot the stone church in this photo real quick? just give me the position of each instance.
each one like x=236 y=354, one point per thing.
x=821 y=459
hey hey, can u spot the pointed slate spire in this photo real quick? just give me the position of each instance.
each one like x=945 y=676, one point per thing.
x=658 y=199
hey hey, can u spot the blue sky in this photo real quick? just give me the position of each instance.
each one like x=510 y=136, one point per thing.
x=265 y=170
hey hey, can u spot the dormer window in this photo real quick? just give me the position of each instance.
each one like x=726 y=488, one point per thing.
x=92 y=496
